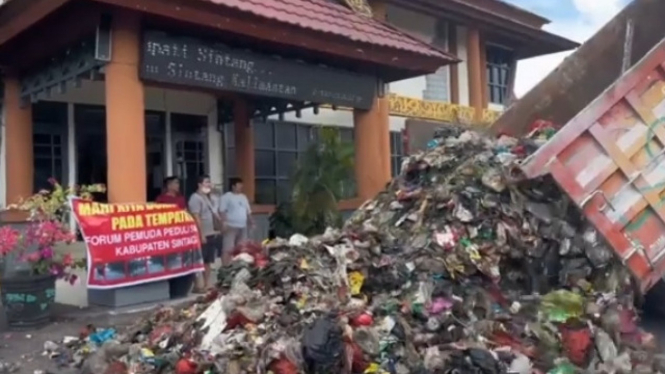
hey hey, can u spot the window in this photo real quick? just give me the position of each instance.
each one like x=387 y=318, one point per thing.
x=277 y=148
x=396 y=151
x=49 y=143
x=499 y=63
x=48 y=160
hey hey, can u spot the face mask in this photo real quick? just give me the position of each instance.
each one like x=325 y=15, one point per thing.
x=205 y=189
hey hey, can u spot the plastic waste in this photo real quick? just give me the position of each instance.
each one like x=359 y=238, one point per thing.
x=102 y=336
x=562 y=305
x=323 y=349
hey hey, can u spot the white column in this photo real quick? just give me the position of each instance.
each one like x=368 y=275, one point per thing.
x=214 y=139
x=462 y=67
x=168 y=144
x=71 y=155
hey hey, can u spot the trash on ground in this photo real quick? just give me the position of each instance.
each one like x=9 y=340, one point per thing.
x=459 y=266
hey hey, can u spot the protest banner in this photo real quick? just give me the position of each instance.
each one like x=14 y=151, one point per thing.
x=130 y=244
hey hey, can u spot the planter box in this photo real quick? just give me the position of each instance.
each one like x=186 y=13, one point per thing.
x=27 y=300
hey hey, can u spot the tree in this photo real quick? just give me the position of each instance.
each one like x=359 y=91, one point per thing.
x=323 y=176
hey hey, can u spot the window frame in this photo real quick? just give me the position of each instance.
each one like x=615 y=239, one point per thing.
x=305 y=135
x=396 y=152
x=52 y=124
x=500 y=62
x=347 y=133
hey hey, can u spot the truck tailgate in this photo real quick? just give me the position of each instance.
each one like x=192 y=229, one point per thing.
x=610 y=159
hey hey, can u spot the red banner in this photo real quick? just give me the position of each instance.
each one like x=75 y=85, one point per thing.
x=130 y=244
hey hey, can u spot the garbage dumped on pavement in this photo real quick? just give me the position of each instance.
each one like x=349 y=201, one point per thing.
x=459 y=266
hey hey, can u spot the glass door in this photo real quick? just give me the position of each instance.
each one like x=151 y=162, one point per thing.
x=190 y=149
x=49 y=140
x=91 y=146
x=155 y=158
x=189 y=163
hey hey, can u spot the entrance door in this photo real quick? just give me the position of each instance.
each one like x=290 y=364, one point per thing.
x=91 y=146
x=189 y=163
x=49 y=141
x=156 y=164
x=190 y=149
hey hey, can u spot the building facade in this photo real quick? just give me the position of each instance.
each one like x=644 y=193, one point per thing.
x=116 y=100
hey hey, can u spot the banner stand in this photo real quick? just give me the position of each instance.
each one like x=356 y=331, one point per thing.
x=154 y=292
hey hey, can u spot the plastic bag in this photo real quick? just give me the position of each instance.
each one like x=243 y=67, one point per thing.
x=559 y=306
x=520 y=365
x=576 y=344
x=283 y=366
x=607 y=350
x=564 y=368
x=323 y=348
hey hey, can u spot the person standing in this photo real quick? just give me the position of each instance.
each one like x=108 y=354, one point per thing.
x=236 y=217
x=171 y=193
x=202 y=206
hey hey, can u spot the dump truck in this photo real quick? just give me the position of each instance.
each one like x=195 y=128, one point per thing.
x=609 y=155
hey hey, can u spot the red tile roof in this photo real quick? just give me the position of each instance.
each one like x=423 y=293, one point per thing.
x=329 y=16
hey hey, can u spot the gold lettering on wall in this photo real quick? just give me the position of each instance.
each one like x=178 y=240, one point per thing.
x=403 y=106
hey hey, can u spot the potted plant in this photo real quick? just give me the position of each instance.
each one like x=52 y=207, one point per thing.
x=29 y=292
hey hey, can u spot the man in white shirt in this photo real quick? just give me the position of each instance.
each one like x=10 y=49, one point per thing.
x=237 y=217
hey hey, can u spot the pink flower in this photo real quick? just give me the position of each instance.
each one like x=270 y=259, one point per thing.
x=49 y=233
x=33 y=257
x=47 y=253
x=9 y=240
x=67 y=260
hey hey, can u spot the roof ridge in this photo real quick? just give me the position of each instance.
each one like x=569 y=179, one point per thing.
x=394 y=29
x=333 y=18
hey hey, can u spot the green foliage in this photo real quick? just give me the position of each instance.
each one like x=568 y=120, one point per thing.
x=322 y=178
x=281 y=221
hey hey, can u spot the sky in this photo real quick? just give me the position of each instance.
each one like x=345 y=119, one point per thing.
x=574 y=19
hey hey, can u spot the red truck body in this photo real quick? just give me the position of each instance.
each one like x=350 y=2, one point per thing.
x=610 y=159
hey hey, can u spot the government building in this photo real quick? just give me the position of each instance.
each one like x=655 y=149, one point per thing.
x=126 y=93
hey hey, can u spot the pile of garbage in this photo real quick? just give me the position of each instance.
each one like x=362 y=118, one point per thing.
x=459 y=266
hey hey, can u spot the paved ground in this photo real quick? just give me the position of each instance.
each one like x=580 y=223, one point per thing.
x=26 y=348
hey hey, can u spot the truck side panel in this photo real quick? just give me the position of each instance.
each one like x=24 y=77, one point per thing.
x=610 y=159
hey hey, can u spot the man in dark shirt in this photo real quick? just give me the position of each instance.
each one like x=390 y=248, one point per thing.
x=171 y=193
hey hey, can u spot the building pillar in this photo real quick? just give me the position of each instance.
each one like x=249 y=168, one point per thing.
x=475 y=71
x=483 y=74
x=19 y=159
x=372 y=148
x=372 y=135
x=244 y=147
x=125 y=113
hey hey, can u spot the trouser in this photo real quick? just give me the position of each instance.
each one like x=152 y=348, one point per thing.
x=232 y=237
x=210 y=249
